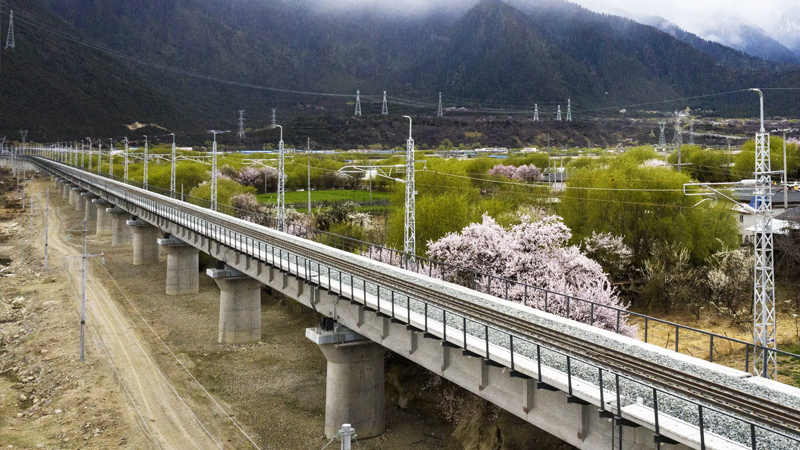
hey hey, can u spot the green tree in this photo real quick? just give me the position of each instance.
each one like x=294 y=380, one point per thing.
x=646 y=206
x=746 y=160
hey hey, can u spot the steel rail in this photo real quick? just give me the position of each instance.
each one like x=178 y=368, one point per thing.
x=769 y=415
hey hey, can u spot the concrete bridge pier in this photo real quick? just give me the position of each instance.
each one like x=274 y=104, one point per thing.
x=183 y=264
x=73 y=195
x=80 y=205
x=354 y=390
x=91 y=211
x=145 y=246
x=103 y=217
x=239 y=306
x=65 y=190
x=120 y=231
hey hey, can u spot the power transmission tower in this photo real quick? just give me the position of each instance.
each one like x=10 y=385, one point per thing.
x=662 y=138
x=678 y=141
x=90 y=157
x=569 y=110
x=358 y=104
x=10 y=37
x=558 y=114
x=410 y=228
x=273 y=117
x=281 y=217
x=385 y=109
x=691 y=132
x=535 y=112
x=24 y=135
x=440 y=113
x=240 y=134
x=764 y=329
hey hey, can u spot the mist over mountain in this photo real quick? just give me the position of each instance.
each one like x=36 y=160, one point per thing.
x=67 y=75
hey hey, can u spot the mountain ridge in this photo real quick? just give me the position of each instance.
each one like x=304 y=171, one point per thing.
x=495 y=58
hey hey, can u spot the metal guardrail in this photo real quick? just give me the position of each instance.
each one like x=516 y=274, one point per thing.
x=303 y=266
x=566 y=305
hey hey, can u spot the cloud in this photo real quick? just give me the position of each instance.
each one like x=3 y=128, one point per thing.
x=392 y=7
x=699 y=16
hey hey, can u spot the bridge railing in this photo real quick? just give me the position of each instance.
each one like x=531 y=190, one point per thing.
x=575 y=308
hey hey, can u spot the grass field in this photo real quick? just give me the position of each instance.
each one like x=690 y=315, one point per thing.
x=320 y=196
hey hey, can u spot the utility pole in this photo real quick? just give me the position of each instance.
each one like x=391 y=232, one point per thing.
x=214 y=171
x=569 y=110
x=785 y=177
x=111 y=158
x=172 y=171
x=691 y=132
x=410 y=228
x=358 y=104
x=535 y=112
x=558 y=114
x=83 y=257
x=347 y=433
x=83 y=289
x=125 y=174
x=281 y=214
x=239 y=134
x=99 y=155
x=440 y=113
x=46 y=227
x=90 y=154
x=678 y=137
x=764 y=327
x=10 y=37
x=146 y=157
x=385 y=109
x=308 y=160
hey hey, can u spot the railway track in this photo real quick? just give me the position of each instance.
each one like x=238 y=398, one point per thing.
x=751 y=408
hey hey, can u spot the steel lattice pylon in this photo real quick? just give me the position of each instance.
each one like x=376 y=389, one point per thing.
x=410 y=226
x=535 y=112
x=440 y=112
x=764 y=329
x=385 y=108
x=358 y=104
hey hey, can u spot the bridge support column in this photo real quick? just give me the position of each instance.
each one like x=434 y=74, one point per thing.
x=354 y=390
x=80 y=205
x=239 y=306
x=65 y=190
x=183 y=264
x=145 y=247
x=103 y=217
x=120 y=232
x=74 y=195
x=91 y=211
